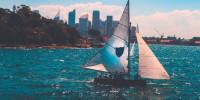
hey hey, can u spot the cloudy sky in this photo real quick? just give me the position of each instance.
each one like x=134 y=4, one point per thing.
x=171 y=17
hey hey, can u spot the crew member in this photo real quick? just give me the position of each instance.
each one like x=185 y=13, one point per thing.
x=110 y=75
x=106 y=76
x=137 y=77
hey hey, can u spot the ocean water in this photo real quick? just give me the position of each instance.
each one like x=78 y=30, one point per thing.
x=47 y=73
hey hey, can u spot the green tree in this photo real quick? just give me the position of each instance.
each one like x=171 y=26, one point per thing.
x=27 y=27
x=96 y=35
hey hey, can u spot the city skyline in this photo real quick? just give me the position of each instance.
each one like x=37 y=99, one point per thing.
x=170 y=17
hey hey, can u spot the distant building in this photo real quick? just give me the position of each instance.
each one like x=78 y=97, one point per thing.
x=103 y=24
x=166 y=41
x=100 y=23
x=170 y=38
x=14 y=8
x=115 y=23
x=57 y=17
x=36 y=11
x=197 y=42
x=71 y=18
x=83 y=24
x=76 y=25
x=109 y=26
x=89 y=25
x=103 y=27
x=96 y=20
x=133 y=36
x=62 y=21
x=160 y=40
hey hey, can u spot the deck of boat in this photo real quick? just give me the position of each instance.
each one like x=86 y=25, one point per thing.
x=120 y=82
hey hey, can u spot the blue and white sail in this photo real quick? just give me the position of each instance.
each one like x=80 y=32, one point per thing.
x=114 y=55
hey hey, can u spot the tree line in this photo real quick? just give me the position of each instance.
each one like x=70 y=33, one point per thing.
x=27 y=27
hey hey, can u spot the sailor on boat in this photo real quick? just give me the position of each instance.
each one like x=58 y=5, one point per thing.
x=100 y=75
x=116 y=75
x=106 y=76
x=137 y=77
x=110 y=75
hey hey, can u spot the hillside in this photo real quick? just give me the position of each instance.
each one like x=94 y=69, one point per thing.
x=26 y=27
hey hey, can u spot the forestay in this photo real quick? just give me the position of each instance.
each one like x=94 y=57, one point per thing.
x=149 y=65
x=114 y=56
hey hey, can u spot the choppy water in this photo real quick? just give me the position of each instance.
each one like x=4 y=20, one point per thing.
x=56 y=74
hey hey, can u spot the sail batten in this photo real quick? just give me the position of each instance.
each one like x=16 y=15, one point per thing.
x=123 y=25
x=120 y=38
x=149 y=65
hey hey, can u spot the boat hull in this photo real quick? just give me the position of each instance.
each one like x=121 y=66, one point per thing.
x=118 y=82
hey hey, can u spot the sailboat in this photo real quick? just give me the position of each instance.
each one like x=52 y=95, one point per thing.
x=114 y=57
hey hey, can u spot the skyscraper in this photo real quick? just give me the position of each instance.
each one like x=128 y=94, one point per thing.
x=96 y=20
x=57 y=17
x=133 y=36
x=83 y=24
x=109 y=26
x=103 y=27
x=14 y=8
x=115 y=23
x=71 y=18
x=89 y=25
x=76 y=25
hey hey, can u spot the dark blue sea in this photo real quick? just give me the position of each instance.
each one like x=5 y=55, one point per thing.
x=47 y=73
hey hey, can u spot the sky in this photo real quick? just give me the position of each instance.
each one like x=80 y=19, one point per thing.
x=171 y=17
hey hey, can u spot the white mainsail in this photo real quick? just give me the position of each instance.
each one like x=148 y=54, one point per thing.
x=149 y=65
x=114 y=55
x=132 y=50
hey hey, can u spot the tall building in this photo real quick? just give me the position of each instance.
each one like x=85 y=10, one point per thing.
x=76 y=25
x=89 y=25
x=103 y=27
x=57 y=17
x=115 y=23
x=71 y=18
x=96 y=20
x=14 y=8
x=109 y=26
x=133 y=36
x=83 y=24
x=103 y=23
x=36 y=11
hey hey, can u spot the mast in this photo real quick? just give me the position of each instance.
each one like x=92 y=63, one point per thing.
x=128 y=41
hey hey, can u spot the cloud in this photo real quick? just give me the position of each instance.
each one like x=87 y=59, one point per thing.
x=182 y=23
x=81 y=9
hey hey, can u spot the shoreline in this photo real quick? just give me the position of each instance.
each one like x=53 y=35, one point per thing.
x=38 y=46
x=47 y=46
x=64 y=46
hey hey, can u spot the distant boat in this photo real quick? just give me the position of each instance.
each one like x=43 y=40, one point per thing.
x=115 y=57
